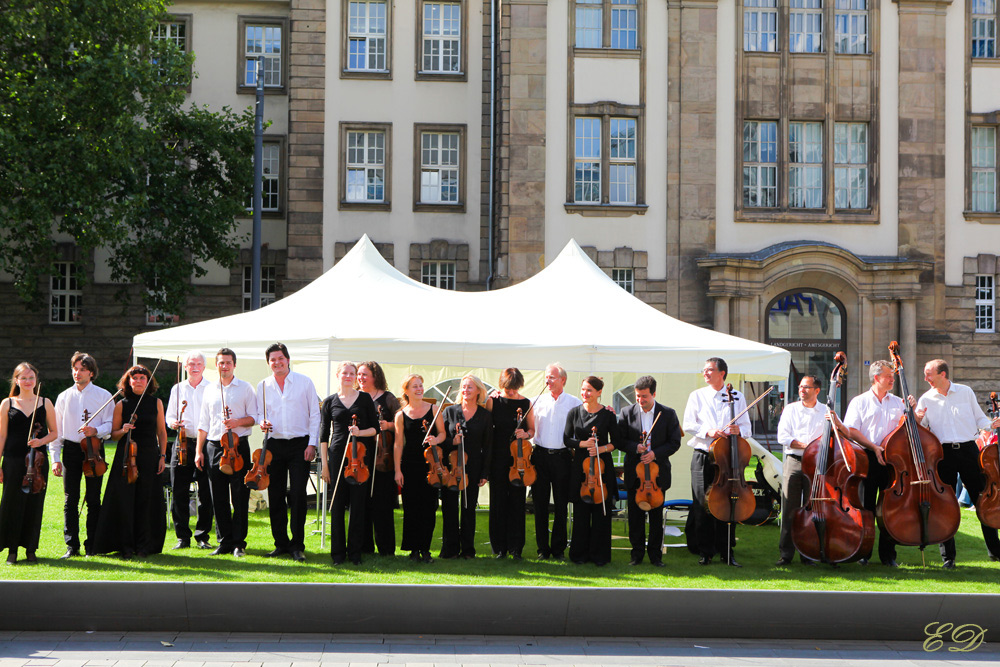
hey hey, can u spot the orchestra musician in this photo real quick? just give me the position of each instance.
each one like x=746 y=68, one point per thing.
x=192 y=392
x=288 y=408
x=67 y=454
x=230 y=496
x=662 y=441
x=950 y=411
x=420 y=499
x=706 y=415
x=336 y=430
x=380 y=522
x=26 y=422
x=506 y=500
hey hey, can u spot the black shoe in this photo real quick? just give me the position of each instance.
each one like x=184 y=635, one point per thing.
x=415 y=555
x=30 y=557
x=577 y=562
x=863 y=561
x=994 y=558
x=219 y=551
x=635 y=561
x=657 y=563
x=126 y=555
x=948 y=564
x=12 y=557
x=299 y=556
x=239 y=552
x=501 y=555
x=558 y=556
x=543 y=555
x=890 y=563
x=447 y=556
x=705 y=560
x=515 y=556
x=782 y=562
x=732 y=562
x=426 y=558
x=807 y=562
x=599 y=564
x=203 y=544
x=70 y=553
x=356 y=561
x=182 y=544
x=280 y=551
x=339 y=560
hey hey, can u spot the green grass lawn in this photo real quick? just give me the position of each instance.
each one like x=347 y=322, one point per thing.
x=756 y=550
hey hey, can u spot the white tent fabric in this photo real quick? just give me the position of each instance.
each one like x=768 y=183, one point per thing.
x=570 y=311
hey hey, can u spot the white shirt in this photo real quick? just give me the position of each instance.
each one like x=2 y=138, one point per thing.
x=646 y=418
x=69 y=415
x=874 y=418
x=955 y=416
x=192 y=411
x=708 y=410
x=801 y=423
x=294 y=412
x=241 y=402
x=550 y=419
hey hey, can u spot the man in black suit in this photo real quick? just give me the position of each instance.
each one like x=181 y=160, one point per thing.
x=664 y=438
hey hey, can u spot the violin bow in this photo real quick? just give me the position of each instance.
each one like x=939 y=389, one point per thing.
x=747 y=408
x=440 y=408
x=143 y=394
x=649 y=433
x=524 y=417
x=98 y=411
x=378 y=440
x=343 y=458
x=31 y=424
x=600 y=484
x=461 y=459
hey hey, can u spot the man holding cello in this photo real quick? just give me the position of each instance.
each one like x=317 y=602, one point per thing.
x=650 y=433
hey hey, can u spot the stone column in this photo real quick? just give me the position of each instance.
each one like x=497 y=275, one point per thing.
x=908 y=343
x=722 y=314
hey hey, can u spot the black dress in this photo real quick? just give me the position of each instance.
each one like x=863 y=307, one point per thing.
x=133 y=516
x=591 y=539
x=458 y=508
x=336 y=421
x=21 y=513
x=380 y=521
x=506 y=500
x=420 y=499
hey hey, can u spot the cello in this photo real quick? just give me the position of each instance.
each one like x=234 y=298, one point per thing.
x=988 y=502
x=649 y=495
x=34 y=475
x=832 y=526
x=522 y=471
x=355 y=470
x=918 y=508
x=730 y=498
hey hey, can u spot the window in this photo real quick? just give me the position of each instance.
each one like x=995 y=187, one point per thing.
x=805 y=26
x=624 y=24
x=851 y=26
x=622 y=172
x=850 y=175
x=760 y=164
x=156 y=317
x=625 y=278
x=606 y=24
x=984 y=28
x=262 y=37
x=805 y=170
x=365 y=164
x=438 y=183
x=65 y=295
x=760 y=25
x=438 y=274
x=606 y=168
x=984 y=169
x=268 y=285
x=985 y=319
x=174 y=31
x=272 y=183
x=589 y=24
x=587 y=183
x=441 y=40
x=367 y=43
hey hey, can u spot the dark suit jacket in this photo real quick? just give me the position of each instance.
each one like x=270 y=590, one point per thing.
x=665 y=440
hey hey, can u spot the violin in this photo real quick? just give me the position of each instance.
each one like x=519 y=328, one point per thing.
x=522 y=471
x=437 y=474
x=833 y=526
x=457 y=460
x=383 y=446
x=649 y=495
x=180 y=444
x=34 y=476
x=257 y=478
x=988 y=502
x=93 y=463
x=918 y=508
x=231 y=461
x=130 y=468
x=730 y=498
x=355 y=470
x=593 y=490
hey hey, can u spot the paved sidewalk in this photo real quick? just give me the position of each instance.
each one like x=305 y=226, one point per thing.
x=192 y=649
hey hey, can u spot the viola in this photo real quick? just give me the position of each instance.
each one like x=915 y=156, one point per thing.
x=918 y=508
x=180 y=444
x=130 y=468
x=93 y=463
x=34 y=475
x=988 y=503
x=257 y=478
x=833 y=526
x=383 y=446
x=649 y=495
x=522 y=471
x=457 y=459
x=593 y=490
x=355 y=470
x=730 y=498
x=231 y=461
x=437 y=474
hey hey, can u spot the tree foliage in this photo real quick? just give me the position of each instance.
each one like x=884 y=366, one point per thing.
x=98 y=148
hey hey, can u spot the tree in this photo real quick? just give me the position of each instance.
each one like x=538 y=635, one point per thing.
x=97 y=148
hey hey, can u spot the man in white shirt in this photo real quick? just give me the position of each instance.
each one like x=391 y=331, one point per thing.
x=707 y=416
x=184 y=411
x=288 y=407
x=952 y=414
x=230 y=520
x=73 y=407
x=552 y=463
x=801 y=423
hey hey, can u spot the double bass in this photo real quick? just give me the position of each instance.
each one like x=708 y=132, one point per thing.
x=918 y=508
x=522 y=470
x=730 y=498
x=832 y=526
x=988 y=502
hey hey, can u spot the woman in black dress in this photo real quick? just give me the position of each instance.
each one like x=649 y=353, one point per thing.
x=415 y=432
x=336 y=415
x=506 y=500
x=470 y=416
x=133 y=516
x=21 y=513
x=380 y=522
x=591 y=539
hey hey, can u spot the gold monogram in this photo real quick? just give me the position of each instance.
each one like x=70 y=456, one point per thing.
x=969 y=636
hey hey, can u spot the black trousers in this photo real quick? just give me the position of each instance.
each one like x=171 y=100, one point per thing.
x=230 y=497
x=591 y=533
x=286 y=492
x=380 y=520
x=506 y=514
x=637 y=520
x=964 y=460
x=349 y=543
x=180 y=485
x=873 y=488
x=458 y=521
x=706 y=535
x=72 y=460
x=552 y=467
x=420 y=503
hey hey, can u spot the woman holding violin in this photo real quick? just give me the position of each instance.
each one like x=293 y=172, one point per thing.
x=380 y=523
x=506 y=500
x=349 y=423
x=27 y=425
x=592 y=432
x=469 y=426
x=133 y=515
x=417 y=428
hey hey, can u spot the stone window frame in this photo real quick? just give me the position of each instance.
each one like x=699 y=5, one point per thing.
x=984 y=295
x=281 y=141
x=606 y=111
x=265 y=21
x=829 y=12
x=995 y=17
x=439 y=273
x=187 y=20
x=441 y=128
x=990 y=120
x=804 y=166
x=805 y=12
x=441 y=250
x=463 y=44
x=71 y=291
x=973 y=169
x=624 y=277
x=268 y=274
x=623 y=258
x=386 y=203
x=345 y=72
x=606 y=50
